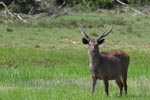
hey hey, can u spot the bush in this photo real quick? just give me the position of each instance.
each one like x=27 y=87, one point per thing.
x=25 y=5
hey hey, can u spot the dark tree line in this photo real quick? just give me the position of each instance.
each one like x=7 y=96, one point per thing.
x=26 y=5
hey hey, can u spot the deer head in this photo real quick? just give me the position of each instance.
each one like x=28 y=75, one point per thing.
x=93 y=43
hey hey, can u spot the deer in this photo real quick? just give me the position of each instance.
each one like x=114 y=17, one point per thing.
x=106 y=65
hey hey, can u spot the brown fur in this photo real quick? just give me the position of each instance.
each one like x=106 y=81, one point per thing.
x=109 y=65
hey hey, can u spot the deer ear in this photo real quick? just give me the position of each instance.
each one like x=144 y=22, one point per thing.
x=101 y=41
x=85 y=41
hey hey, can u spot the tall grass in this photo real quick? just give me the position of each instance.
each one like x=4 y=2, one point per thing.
x=65 y=75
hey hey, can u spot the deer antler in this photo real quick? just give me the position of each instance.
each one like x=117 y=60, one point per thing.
x=83 y=33
x=105 y=33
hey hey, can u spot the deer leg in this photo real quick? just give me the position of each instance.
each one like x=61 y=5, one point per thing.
x=106 y=86
x=93 y=83
x=120 y=85
x=124 y=79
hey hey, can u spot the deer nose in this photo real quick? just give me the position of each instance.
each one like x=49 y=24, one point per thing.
x=93 y=50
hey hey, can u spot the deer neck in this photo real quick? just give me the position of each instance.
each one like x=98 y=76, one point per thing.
x=94 y=59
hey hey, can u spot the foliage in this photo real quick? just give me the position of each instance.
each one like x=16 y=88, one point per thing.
x=19 y=5
x=26 y=5
x=97 y=3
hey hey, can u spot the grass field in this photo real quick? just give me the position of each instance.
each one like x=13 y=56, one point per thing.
x=40 y=61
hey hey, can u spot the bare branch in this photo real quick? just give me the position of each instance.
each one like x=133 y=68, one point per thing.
x=133 y=9
x=14 y=15
x=30 y=11
x=120 y=2
x=63 y=4
x=6 y=9
x=137 y=11
x=20 y=18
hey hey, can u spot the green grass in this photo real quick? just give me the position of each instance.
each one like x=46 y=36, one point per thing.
x=39 y=61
